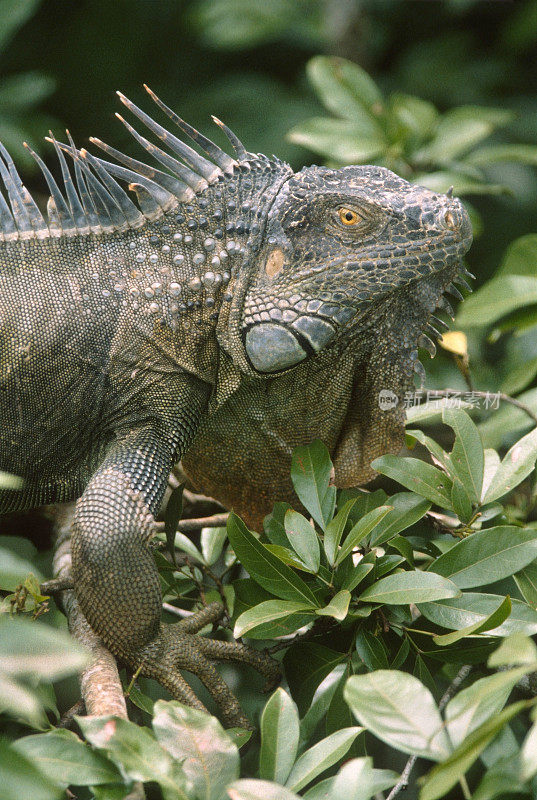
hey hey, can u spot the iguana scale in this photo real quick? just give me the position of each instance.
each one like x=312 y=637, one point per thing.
x=238 y=309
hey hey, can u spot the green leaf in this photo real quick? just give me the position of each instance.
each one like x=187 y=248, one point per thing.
x=182 y=542
x=487 y=556
x=14 y=570
x=135 y=750
x=9 y=481
x=407 y=509
x=443 y=776
x=66 y=760
x=265 y=612
x=474 y=705
x=360 y=530
x=518 y=153
x=338 y=606
x=442 y=180
x=243 y=24
x=21 y=702
x=492 y=621
x=400 y=711
x=459 y=130
x=403 y=546
x=357 y=575
x=14 y=14
x=274 y=527
x=334 y=530
x=472 y=607
x=516 y=649
x=461 y=502
x=252 y=789
x=38 y=651
x=466 y=458
x=321 y=756
x=528 y=754
x=306 y=665
x=303 y=539
x=413 y=586
x=357 y=780
x=25 y=89
x=288 y=556
x=520 y=257
x=321 y=701
x=519 y=377
x=371 y=650
x=340 y=139
x=422 y=478
x=496 y=298
x=516 y=465
x=279 y=737
x=196 y=740
x=414 y=114
x=526 y=580
x=264 y=567
x=310 y=473
x=20 y=778
x=492 y=462
x=212 y=541
x=432 y=446
x=422 y=672
x=344 y=87
x=500 y=428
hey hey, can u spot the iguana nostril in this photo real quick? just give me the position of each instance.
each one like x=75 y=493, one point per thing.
x=449 y=220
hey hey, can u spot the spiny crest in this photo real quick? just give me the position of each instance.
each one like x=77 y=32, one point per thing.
x=94 y=202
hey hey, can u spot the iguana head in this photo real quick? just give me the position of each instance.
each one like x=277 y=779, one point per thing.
x=338 y=244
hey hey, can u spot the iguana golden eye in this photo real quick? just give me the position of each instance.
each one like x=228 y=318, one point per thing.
x=347 y=216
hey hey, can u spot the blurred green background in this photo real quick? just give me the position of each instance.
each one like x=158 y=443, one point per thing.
x=258 y=65
x=245 y=61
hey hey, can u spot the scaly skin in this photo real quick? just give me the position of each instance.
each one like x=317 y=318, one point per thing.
x=245 y=319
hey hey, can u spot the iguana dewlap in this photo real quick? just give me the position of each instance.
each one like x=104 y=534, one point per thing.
x=235 y=310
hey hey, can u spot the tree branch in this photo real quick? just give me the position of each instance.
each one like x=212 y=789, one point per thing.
x=190 y=525
x=100 y=685
x=99 y=682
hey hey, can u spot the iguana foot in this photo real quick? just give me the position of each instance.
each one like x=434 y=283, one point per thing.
x=178 y=647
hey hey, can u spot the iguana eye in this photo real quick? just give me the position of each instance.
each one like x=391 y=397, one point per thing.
x=347 y=216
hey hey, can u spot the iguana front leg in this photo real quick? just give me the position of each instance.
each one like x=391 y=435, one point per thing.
x=115 y=577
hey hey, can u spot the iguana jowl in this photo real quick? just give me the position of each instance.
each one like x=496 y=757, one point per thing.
x=236 y=311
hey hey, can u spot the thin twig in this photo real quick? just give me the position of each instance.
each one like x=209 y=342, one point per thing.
x=461 y=676
x=402 y=783
x=178 y=612
x=487 y=395
x=319 y=627
x=190 y=525
x=193 y=498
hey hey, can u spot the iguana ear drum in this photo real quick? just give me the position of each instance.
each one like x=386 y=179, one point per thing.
x=272 y=348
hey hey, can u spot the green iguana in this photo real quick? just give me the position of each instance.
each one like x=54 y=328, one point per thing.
x=238 y=309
